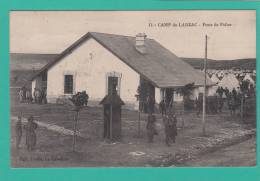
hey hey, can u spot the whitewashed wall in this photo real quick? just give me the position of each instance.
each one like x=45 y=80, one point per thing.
x=158 y=95
x=33 y=85
x=37 y=83
x=89 y=64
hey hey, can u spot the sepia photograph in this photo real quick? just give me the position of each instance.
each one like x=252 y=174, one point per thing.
x=133 y=88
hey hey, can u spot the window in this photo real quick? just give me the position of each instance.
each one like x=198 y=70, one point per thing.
x=68 y=84
x=112 y=84
x=113 y=80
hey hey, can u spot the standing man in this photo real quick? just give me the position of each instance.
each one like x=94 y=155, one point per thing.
x=28 y=96
x=20 y=93
x=162 y=106
x=30 y=128
x=150 y=103
x=170 y=125
x=18 y=131
x=234 y=93
x=173 y=127
x=35 y=95
x=24 y=93
x=199 y=105
x=44 y=96
x=151 y=128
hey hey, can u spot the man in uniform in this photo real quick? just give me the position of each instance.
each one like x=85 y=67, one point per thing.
x=234 y=93
x=35 y=95
x=170 y=124
x=30 y=128
x=20 y=93
x=151 y=128
x=28 y=96
x=150 y=104
x=199 y=102
x=44 y=96
x=18 y=131
x=162 y=106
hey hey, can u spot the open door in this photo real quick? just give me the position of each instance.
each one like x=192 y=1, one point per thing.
x=112 y=83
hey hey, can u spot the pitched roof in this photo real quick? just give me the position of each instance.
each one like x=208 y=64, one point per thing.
x=158 y=65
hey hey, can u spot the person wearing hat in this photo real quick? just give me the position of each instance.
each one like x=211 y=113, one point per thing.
x=170 y=125
x=18 y=131
x=151 y=128
x=30 y=128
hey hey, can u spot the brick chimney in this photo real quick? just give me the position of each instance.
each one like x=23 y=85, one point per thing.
x=140 y=42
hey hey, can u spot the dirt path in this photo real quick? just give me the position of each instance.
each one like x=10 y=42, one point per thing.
x=236 y=155
x=52 y=127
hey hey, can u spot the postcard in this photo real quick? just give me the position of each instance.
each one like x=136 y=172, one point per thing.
x=126 y=88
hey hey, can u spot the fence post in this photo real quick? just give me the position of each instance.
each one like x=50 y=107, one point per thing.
x=242 y=109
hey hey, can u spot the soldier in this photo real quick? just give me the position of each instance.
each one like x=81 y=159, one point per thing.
x=18 y=131
x=173 y=127
x=162 y=106
x=151 y=129
x=220 y=91
x=20 y=93
x=28 y=96
x=24 y=93
x=234 y=93
x=30 y=128
x=226 y=91
x=199 y=102
x=150 y=103
x=35 y=95
x=86 y=97
x=44 y=96
x=220 y=103
x=170 y=124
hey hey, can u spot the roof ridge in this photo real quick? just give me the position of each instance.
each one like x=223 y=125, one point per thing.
x=91 y=32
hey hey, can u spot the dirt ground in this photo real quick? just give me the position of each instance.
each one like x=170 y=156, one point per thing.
x=55 y=149
x=243 y=153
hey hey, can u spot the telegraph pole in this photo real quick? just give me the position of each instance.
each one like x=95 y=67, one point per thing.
x=204 y=94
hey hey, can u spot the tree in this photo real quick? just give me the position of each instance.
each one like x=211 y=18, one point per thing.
x=78 y=101
x=186 y=91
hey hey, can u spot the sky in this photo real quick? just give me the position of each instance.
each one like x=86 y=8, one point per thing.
x=232 y=37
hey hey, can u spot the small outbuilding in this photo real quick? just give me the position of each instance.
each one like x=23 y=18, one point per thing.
x=112 y=115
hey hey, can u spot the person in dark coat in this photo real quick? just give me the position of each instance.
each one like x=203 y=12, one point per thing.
x=227 y=93
x=150 y=102
x=20 y=93
x=35 y=95
x=162 y=106
x=151 y=128
x=234 y=93
x=18 y=131
x=199 y=104
x=30 y=128
x=28 y=96
x=170 y=125
x=44 y=96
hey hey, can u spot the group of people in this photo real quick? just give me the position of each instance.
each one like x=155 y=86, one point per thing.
x=39 y=96
x=25 y=95
x=30 y=134
x=170 y=127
